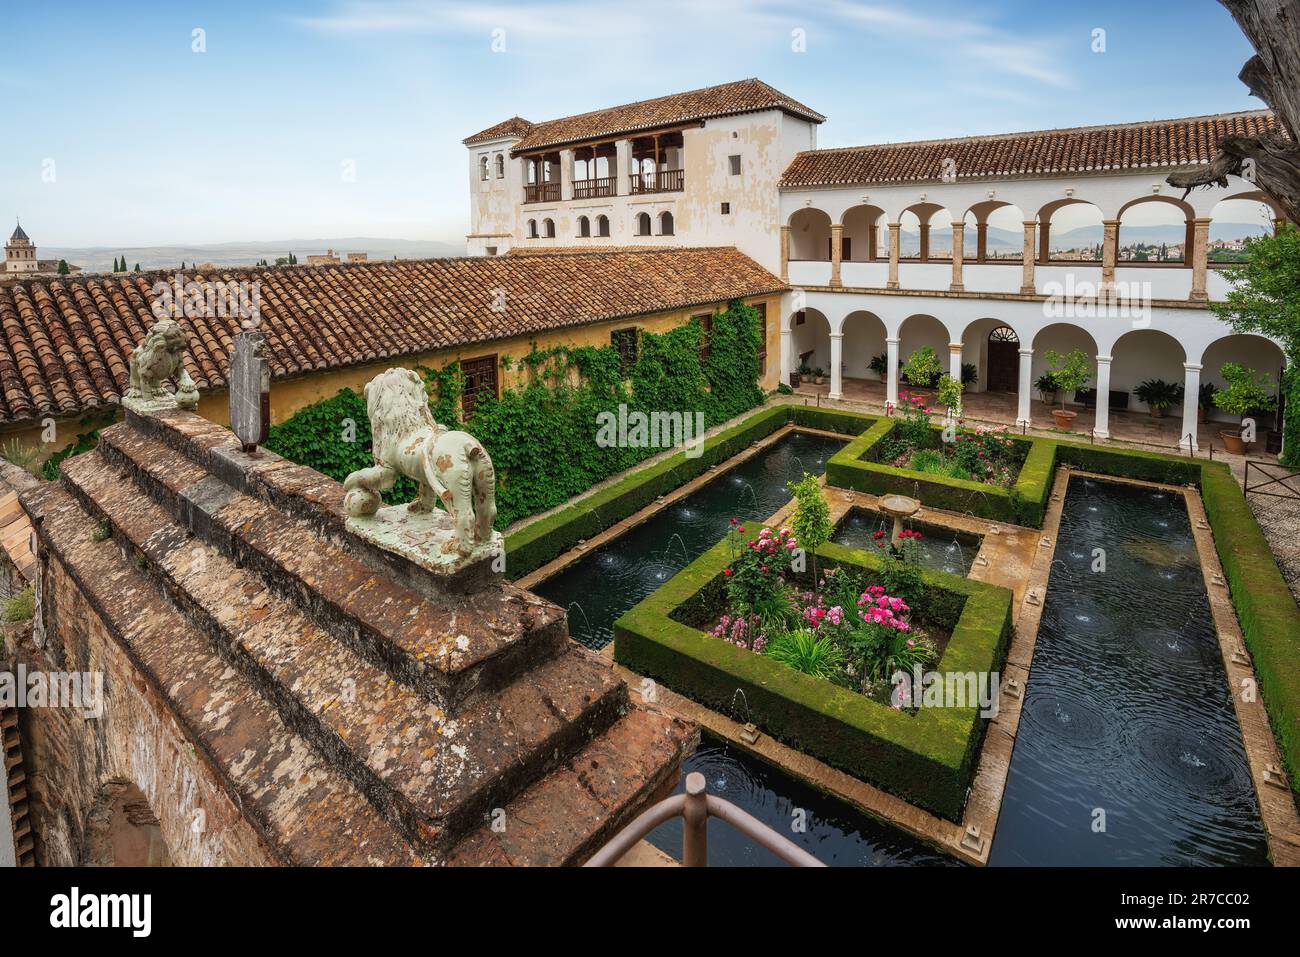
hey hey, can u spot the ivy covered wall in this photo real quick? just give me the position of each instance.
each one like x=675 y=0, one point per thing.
x=541 y=433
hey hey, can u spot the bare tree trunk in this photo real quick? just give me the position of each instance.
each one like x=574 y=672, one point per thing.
x=1273 y=75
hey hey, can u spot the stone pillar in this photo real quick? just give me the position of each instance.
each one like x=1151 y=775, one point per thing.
x=1025 y=393
x=785 y=253
x=1191 y=400
x=566 y=174
x=981 y=242
x=873 y=250
x=1027 y=283
x=891 y=386
x=925 y=242
x=954 y=360
x=1101 y=425
x=893 y=256
x=1045 y=241
x=1200 y=259
x=622 y=171
x=837 y=251
x=787 y=351
x=837 y=363
x=1109 y=255
x=958 y=254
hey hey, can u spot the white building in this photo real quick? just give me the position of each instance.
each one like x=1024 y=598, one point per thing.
x=21 y=259
x=738 y=165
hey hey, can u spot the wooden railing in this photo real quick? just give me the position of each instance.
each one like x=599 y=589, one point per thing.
x=589 y=188
x=542 y=193
x=660 y=181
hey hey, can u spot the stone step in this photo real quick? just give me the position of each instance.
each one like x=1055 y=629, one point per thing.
x=304 y=808
x=433 y=770
x=450 y=646
x=589 y=799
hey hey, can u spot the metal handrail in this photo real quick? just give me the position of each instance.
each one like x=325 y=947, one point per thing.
x=695 y=807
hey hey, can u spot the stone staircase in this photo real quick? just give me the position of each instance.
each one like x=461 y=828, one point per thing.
x=357 y=711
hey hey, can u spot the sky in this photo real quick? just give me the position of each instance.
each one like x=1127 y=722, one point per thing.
x=151 y=123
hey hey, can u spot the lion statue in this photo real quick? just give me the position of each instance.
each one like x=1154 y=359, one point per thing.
x=451 y=466
x=159 y=358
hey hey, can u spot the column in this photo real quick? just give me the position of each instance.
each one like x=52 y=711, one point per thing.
x=981 y=242
x=925 y=242
x=891 y=388
x=1191 y=400
x=785 y=253
x=1045 y=241
x=958 y=251
x=871 y=240
x=954 y=360
x=837 y=252
x=787 y=350
x=893 y=259
x=1101 y=424
x=1026 y=384
x=566 y=175
x=1109 y=254
x=1027 y=283
x=622 y=171
x=837 y=361
x=1200 y=255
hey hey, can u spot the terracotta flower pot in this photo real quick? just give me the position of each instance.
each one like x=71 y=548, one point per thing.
x=1233 y=443
x=1064 y=418
x=1157 y=412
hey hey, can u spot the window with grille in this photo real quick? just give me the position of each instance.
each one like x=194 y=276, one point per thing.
x=625 y=341
x=706 y=334
x=480 y=380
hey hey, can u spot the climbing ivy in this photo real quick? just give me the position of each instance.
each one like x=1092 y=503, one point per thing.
x=541 y=434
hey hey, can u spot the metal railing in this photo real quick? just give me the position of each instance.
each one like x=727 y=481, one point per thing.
x=1282 y=480
x=695 y=807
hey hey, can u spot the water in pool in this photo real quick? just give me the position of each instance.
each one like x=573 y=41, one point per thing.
x=945 y=552
x=1127 y=713
x=603 y=585
x=836 y=834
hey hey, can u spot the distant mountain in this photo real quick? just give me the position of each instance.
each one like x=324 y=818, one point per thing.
x=100 y=258
x=1168 y=233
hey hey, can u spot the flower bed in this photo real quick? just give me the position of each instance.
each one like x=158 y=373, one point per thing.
x=985 y=454
x=821 y=680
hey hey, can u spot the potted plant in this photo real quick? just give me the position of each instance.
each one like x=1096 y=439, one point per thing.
x=879 y=365
x=970 y=374
x=818 y=375
x=1070 y=373
x=1047 y=388
x=922 y=369
x=1205 y=399
x=1248 y=392
x=1159 y=395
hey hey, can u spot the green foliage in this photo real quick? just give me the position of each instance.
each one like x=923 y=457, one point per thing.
x=1265 y=293
x=1291 y=424
x=21 y=607
x=84 y=442
x=26 y=457
x=1248 y=391
x=970 y=373
x=1070 y=372
x=807 y=653
x=811 y=523
x=949 y=392
x=1159 y=394
x=922 y=367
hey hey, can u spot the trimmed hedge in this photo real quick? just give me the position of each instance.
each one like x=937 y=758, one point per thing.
x=538 y=542
x=1022 y=504
x=927 y=758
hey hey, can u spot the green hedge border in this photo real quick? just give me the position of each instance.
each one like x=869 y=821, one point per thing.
x=538 y=542
x=1022 y=504
x=927 y=758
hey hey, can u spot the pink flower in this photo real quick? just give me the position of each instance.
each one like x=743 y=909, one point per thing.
x=727 y=572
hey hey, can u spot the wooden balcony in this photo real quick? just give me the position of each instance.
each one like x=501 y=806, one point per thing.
x=591 y=188
x=542 y=193
x=661 y=181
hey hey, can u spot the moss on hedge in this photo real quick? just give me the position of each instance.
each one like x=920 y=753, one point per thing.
x=927 y=758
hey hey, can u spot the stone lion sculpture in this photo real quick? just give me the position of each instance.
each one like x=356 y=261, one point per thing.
x=450 y=466
x=158 y=358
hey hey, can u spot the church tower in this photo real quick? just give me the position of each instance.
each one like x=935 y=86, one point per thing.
x=20 y=253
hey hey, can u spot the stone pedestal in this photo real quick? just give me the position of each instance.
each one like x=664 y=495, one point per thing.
x=428 y=541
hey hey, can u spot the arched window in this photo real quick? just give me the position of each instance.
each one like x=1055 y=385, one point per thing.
x=665 y=224
x=501 y=166
x=643 y=224
x=532 y=229
x=602 y=225
x=548 y=228
x=482 y=167
x=584 y=226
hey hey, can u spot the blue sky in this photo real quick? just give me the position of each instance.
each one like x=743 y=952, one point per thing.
x=117 y=133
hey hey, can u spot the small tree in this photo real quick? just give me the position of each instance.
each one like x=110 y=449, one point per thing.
x=922 y=367
x=1248 y=391
x=64 y=268
x=1069 y=372
x=812 y=516
x=950 y=394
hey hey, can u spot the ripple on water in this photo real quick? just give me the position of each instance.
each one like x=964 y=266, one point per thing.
x=1170 y=646
x=1066 y=717
x=1202 y=763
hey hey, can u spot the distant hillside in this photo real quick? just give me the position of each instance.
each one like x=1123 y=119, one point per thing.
x=100 y=258
x=1170 y=233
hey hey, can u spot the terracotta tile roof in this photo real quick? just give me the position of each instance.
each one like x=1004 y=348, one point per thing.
x=65 y=341
x=1092 y=149
x=515 y=126
x=727 y=99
